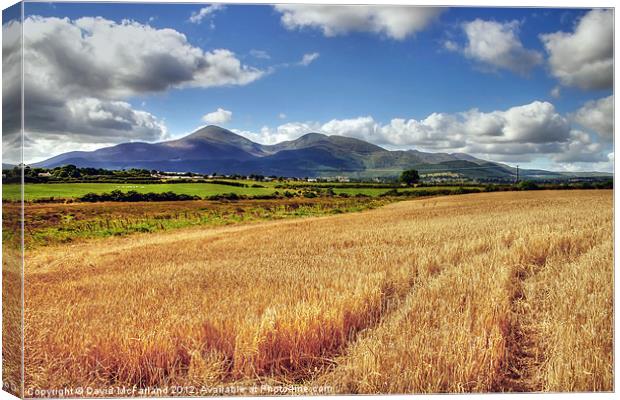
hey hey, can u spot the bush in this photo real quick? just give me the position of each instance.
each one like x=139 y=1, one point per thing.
x=608 y=184
x=133 y=196
x=226 y=196
x=265 y=196
x=527 y=185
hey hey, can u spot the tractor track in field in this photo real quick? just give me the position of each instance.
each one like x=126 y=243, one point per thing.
x=523 y=342
x=521 y=360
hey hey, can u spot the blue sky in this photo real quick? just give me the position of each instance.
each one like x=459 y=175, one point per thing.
x=362 y=78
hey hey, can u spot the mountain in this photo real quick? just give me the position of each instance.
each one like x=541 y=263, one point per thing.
x=214 y=149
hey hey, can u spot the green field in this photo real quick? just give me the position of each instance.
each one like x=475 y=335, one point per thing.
x=35 y=191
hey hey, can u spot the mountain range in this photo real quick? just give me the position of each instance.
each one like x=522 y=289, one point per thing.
x=215 y=149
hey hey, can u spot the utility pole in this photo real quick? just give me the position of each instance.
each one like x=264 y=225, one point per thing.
x=517 y=181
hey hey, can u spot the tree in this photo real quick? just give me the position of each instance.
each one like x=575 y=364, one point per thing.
x=410 y=177
x=528 y=185
x=67 y=171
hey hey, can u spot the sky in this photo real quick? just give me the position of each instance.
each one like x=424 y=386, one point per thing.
x=527 y=86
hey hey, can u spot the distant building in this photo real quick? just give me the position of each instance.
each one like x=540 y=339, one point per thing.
x=311 y=179
x=44 y=174
x=174 y=175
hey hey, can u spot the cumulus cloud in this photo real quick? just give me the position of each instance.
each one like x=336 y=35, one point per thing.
x=110 y=120
x=597 y=115
x=307 y=59
x=534 y=128
x=498 y=46
x=516 y=134
x=288 y=131
x=536 y=123
x=581 y=148
x=583 y=58
x=95 y=55
x=395 y=22
x=219 y=116
x=70 y=62
x=361 y=127
x=206 y=12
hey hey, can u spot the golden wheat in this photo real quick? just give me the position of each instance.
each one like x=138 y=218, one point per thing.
x=419 y=296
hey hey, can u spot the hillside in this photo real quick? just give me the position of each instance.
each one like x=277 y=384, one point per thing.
x=214 y=149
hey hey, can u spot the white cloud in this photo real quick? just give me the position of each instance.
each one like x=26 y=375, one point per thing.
x=395 y=22
x=307 y=59
x=110 y=120
x=219 y=116
x=88 y=123
x=597 y=115
x=581 y=148
x=450 y=45
x=583 y=58
x=365 y=128
x=282 y=116
x=206 y=12
x=288 y=131
x=95 y=55
x=517 y=134
x=511 y=134
x=497 y=45
x=260 y=54
x=556 y=92
x=38 y=149
x=69 y=62
x=535 y=123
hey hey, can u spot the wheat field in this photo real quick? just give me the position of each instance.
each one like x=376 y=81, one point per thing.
x=473 y=293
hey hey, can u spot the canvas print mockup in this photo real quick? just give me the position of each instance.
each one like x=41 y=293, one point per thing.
x=228 y=199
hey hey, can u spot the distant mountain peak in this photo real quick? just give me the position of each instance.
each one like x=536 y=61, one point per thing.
x=213 y=132
x=313 y=135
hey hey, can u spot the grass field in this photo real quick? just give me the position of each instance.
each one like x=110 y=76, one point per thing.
x=34 y=191
x=474 y=293
x=53 y=223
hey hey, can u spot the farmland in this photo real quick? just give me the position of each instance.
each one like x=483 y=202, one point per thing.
x=54 y=223
x=73 y=190
x=474 y=293
x=39 y=191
